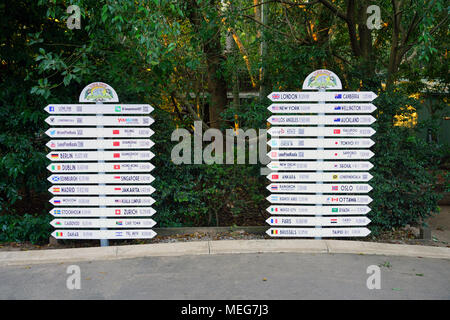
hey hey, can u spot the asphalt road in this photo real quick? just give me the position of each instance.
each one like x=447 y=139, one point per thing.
x=237 y=276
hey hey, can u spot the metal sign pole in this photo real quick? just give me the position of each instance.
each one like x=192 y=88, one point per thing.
x=318 y=215
x=103 y=242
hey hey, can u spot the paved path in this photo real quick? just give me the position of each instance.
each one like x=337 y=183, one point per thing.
x=234 y=276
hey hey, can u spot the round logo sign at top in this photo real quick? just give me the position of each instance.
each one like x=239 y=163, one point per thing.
x=322 y=79
x=98 y=92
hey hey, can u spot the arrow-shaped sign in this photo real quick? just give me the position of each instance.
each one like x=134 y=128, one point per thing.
x=98 y=121
x=100 y=167
x=317 y=232
x=315 y=210
x=336 y=96
x=101 y=178
x=99 y=155
x=94 y=189
x=99 y=132
x=104 y=234
x=320 y=154
x=328 y=120
x=320 y=143
x=322 y=188
x=103 y=212
x=318 y=221
x=100 y=144
x=318 y=199
x=324 y=166
x=102 y=223
x=322 y=108
x=319 y=176
x=98 y=109
x=323 y=131
x=102 y=201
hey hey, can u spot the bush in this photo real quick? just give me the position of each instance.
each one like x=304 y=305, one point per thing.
x=33 y=228
x=200 y=194
x=405 y=168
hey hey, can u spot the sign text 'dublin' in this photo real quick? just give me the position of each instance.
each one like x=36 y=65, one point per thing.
x=103 y=178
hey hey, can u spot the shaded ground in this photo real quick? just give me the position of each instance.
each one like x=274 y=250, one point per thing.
x=237 y=276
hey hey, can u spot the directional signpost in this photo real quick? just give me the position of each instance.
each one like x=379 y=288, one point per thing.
x=76 y=144
x=324 y=166
x=320 y=154
x=319 y=183
x=103 y=212
x=323 y=210
x=322 y=108
x=321 y=143
x=102 y=201
x=326 y=188
x=316 y=199
x=96 y=121
x=101 y=178
x=335 y=96
x=320 y=176
x=115 y=132
x=318 y=232
x=313 y=221
x=97 y=189
x=104 y=234
x=102 y=223
x=330 y=120
x=100 y=167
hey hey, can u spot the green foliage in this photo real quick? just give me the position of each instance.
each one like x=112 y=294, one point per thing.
x=150 y=52
x=33 y=228
x=405 y=168
x=202 y=195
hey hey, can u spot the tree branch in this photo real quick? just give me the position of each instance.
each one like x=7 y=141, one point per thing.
x=334 y=9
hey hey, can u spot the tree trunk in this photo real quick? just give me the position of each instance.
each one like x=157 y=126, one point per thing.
x=212 y=48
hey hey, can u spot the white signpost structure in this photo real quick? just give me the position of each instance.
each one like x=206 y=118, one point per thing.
x=318 y=181
x=100 y=167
